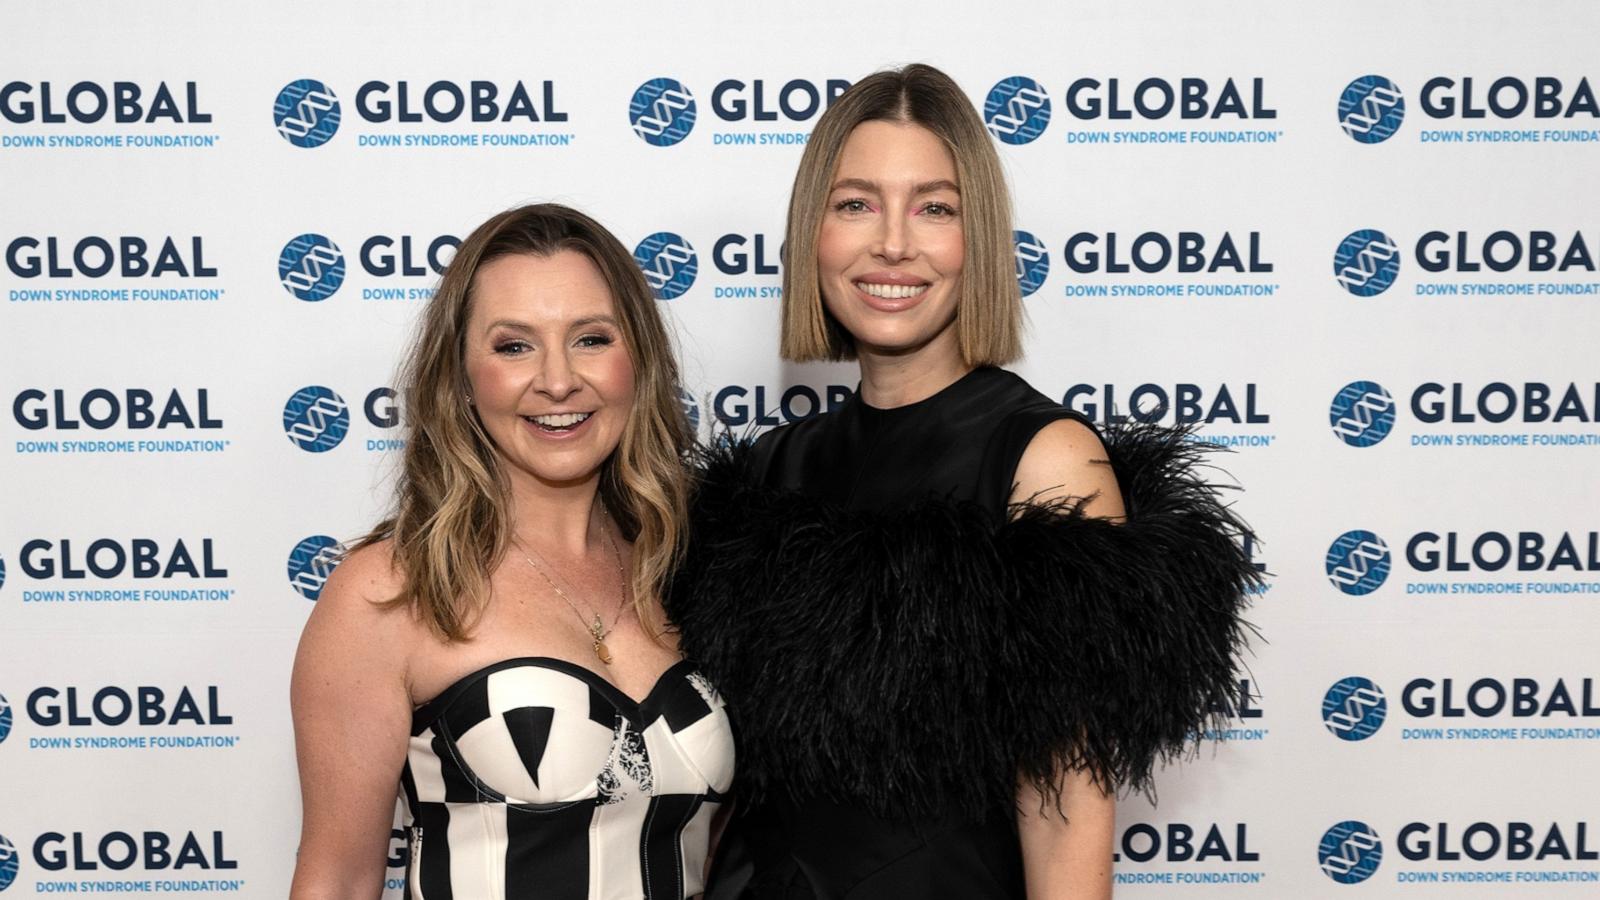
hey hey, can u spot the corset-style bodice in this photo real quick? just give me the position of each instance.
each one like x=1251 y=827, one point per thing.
x=537 y=777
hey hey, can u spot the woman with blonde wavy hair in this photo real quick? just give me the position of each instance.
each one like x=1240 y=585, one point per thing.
x=495 y=649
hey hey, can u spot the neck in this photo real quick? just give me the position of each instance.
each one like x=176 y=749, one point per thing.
x=563 y=520
x=900 y=377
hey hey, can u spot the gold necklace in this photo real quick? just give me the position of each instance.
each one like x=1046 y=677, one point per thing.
x=597 y=627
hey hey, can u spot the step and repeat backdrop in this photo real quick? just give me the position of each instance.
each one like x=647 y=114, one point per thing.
x=1358 y=242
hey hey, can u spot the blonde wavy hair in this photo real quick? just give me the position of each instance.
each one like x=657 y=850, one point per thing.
x=450 y=524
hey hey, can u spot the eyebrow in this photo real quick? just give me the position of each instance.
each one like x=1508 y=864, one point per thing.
x=518 y=325
x=512 y=324
x=926 y=187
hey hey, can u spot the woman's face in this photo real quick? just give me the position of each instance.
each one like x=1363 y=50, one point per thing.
x=890 y=250
x=550 y=377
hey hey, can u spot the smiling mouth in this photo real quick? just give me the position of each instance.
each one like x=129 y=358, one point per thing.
x=558 y=422
x=890 y=291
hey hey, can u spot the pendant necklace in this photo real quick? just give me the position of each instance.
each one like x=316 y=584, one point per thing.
x=597 y=627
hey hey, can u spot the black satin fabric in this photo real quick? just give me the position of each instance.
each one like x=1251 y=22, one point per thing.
x=819 y=850
x=961 y=444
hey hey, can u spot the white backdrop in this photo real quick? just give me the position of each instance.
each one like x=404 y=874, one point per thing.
x=1413 y=727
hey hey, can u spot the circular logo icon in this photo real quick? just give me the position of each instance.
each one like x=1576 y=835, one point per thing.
x=691 y=410
x=311 y=267
x=311 y=562
x=5 y=719
x=316 y=419
x=1362 y=413
x=1358 y=562
x=1371 y=109
x=662 y=112
x=1033 y=261
x=8 y=863
x=1017 y=110
x=1366 y=263
x=1350 y=852
x=306 y=113
x=669 y=264
x=1353 y=709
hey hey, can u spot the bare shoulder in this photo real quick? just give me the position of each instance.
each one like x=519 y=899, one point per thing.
x=364 y=578
x=352 y=624
x=1066 y=461
x=352 y=715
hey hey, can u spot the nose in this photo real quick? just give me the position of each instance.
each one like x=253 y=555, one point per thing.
x=556 y=377
x=894 y=242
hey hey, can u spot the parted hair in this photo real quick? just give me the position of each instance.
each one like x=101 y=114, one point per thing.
x=450 y=525
x=989 y=310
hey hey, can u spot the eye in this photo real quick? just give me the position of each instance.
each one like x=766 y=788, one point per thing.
x=852 y=205
x=939 y=210
x=511 y=347
x=595 y=340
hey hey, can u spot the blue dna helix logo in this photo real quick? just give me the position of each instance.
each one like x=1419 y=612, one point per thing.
x=1366 y=262
x=2 y=572
x=1017 y=110
x=8 y=863
x=311 y=562
x=306 y=113
x=691 y=410
x=311 y=267
x=1354 y=709
x=1358 y=562
x=5 y=719
x=1371 y=109
x=1033 y=261
x=669 y=263
x=316 y=419
x=662 y=112
x=1362 y=413
x=1350 y=852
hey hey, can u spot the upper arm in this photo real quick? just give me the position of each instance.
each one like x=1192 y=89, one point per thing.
x=1068 y=855
x=352 y=722
x=1066 y=461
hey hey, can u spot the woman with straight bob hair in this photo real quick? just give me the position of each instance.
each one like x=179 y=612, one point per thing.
x=951 y=619
x=494 y=651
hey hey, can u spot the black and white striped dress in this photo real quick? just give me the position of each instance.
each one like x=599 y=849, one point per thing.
x=535 y=777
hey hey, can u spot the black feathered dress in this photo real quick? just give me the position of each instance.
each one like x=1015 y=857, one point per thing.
x=897 y=648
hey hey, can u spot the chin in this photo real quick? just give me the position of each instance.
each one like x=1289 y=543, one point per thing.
x=894 y=339
x=561 y=475
x=552 y=469
x=893 y=333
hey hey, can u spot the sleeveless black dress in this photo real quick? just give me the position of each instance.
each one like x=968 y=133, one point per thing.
x=897 y=649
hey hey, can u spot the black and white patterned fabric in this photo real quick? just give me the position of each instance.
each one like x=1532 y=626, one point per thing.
x=535 y=777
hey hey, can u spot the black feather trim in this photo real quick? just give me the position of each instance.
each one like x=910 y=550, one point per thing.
x=918 y=661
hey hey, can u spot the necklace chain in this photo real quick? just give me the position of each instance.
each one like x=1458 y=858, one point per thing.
x=598 y=630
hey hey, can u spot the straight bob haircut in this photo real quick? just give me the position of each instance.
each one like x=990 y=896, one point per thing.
x=989 y=309
x=450 y=526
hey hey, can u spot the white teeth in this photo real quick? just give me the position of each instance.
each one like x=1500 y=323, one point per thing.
x=564 y=420
x=891 y=291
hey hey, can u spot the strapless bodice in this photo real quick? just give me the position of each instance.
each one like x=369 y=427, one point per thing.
x=538 y=772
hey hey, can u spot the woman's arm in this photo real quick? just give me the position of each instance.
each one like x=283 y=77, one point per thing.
x=352 y=720
x=1066 y=853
